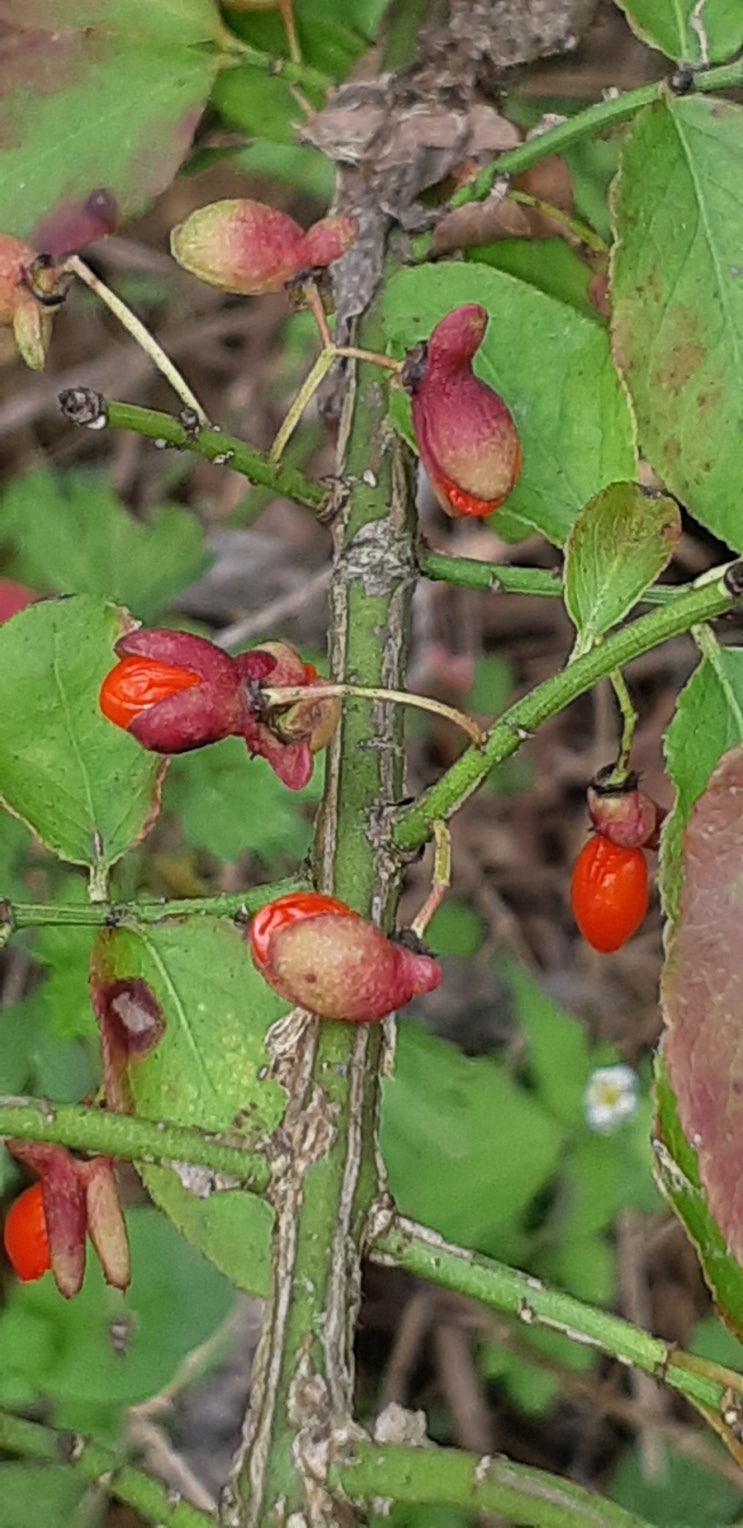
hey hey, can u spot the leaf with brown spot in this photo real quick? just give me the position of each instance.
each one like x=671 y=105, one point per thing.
x=96 y=94
x=677 y=300
x=702 y=994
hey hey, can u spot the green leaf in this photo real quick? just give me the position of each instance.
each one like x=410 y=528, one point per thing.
x=297 y=165
x=620 y=542
x=708 y=721
x=557 y=1048
x=87 y=103
x=677 y=316
x=553 y=368
x=74 y=537
x=549 y=264
x=174 y=1303
x=14 y=844
x=85 y=787
x=208 y=1069
x=685 y=30
x=677 y=1176
x=230 y=803
x=456 y=929
x=684 y=1494
x=48 y=1494
x=466 y=1148
x=64 y=996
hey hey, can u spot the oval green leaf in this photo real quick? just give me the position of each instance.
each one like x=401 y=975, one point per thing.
x=677 y=300
x=208 y=1069
x=553 y=368
x=86 y=788
x=622 y=539
x=686 y=30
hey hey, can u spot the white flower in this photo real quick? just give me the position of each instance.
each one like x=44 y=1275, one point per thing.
x=610 y=1097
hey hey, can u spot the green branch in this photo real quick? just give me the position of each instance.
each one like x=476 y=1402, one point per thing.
x=102 y=1467
x=593 y=120
x=213 y=445
x=415 y=823
x=505 y=1289
x=269 y=63
x=470 y=573
x=17 y=915
x=100 y=1131
x=453 y=1478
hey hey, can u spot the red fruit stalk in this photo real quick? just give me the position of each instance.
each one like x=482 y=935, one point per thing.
x=466 y=436
x=609 y=893
x=321 y=955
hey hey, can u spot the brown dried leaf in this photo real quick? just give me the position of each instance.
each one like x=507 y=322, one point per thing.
x=702 y=995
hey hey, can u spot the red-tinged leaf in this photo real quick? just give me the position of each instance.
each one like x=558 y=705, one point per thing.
x=703 y=995
x=676 y=1173
x=96 y=95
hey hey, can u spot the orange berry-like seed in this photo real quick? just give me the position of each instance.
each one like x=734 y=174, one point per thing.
x=292 y=908
x=25 y=1235
x=137 y=684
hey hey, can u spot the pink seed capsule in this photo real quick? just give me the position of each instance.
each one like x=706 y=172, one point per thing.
x=466 y=436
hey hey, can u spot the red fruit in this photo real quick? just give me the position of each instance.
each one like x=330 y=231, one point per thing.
x=25 y=1235
x=609 y=893
x=136 y=684
x=244 y=246
x=466 y=436
x=321 y=955
x=622 y=812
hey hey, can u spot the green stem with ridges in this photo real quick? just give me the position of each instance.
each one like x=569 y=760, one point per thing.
x=593 y=120
x=215 y=446
x=423 y=1253
x=414 y=824
x=18 y=915
x=305 y=1358
x=446 y=1477
x=101 y=1467
x=470 y=573
x=100 y=1132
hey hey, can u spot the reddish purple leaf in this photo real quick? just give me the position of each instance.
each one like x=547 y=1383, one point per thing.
x=703 y=995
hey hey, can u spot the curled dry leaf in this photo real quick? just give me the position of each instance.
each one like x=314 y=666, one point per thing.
x=702 y=995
